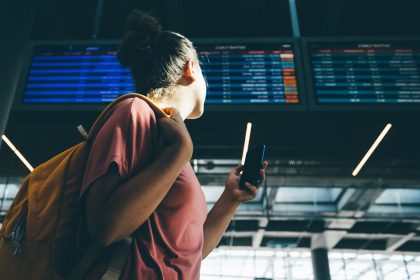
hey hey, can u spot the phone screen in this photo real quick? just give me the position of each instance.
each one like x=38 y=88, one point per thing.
x=253 y=163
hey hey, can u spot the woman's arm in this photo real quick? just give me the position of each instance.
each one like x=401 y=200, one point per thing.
x=217 y=222
x=222 y=212
x=114 y=210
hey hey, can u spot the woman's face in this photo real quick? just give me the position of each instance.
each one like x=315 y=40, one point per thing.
x=202 y=87
x=200 y=93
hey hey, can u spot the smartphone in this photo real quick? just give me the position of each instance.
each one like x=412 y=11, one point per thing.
x=253 y=164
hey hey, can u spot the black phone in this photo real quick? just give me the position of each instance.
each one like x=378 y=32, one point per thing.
x=253 y=164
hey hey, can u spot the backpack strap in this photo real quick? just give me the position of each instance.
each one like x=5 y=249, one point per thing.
x=107 y=111
x=120 y=254
x=79 y=272
x=120 y=251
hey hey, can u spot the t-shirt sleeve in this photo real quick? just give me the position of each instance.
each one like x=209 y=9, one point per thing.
x=125 y=140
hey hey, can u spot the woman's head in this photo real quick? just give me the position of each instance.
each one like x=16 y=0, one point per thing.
x=161 y=62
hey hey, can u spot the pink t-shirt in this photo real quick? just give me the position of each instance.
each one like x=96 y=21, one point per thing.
x=169 y=244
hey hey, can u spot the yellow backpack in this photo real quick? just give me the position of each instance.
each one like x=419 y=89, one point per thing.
x=38 y=236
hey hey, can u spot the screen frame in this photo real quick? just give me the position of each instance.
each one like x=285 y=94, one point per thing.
x=18 y=106
x=313 y=104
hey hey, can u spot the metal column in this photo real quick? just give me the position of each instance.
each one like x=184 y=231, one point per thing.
x=15 y=23
x=98 y=18
x=294 y=18
x=320 y=264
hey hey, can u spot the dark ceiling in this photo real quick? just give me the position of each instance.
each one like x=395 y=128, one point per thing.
x=59 y=19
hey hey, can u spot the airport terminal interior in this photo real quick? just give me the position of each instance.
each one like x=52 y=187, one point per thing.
x=331 y=87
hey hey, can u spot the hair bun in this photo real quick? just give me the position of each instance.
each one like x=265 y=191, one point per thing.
x=139 y=29
x=142 y=24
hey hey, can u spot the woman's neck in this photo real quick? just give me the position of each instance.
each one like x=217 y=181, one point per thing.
x=178 y=99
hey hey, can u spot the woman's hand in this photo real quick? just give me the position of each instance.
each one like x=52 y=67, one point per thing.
x=249 y=192
x=175 y=133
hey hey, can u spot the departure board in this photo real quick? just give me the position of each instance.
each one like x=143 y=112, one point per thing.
x=365 y=72
x=250 y=73
x=76 y=74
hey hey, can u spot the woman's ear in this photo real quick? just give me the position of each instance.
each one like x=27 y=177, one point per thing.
x=189 y=70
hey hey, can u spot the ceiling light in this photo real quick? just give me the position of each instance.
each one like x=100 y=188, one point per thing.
x=246 y=143
x=372 y=149
x=16 y=151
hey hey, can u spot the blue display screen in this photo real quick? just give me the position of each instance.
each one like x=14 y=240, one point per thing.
x=76 y=74
x=250 y=73
x=236 y=73
x=366 y=72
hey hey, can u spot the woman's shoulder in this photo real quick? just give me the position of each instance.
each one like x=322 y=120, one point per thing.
x=139 y=104
x=138 y=112
x=133 y=106
x=131 y=102
x=129 y=110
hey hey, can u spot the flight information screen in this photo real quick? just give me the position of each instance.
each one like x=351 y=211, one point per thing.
x=76 y=74
x=237 y=74
x=250 y=73
x=355 y=72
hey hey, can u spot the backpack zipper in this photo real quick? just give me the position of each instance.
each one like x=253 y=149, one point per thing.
x=17 y=234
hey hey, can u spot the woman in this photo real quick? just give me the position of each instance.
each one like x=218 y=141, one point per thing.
x=138 y=179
